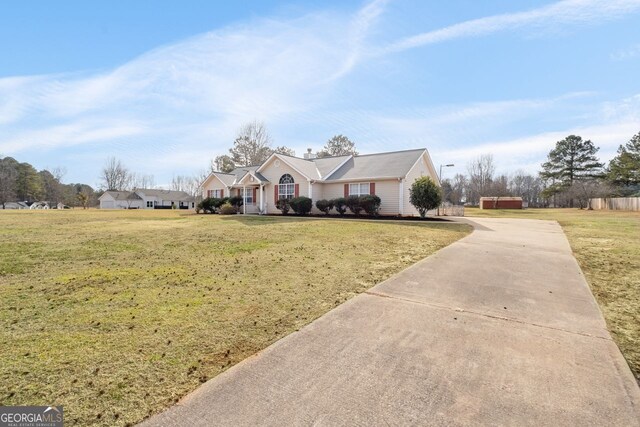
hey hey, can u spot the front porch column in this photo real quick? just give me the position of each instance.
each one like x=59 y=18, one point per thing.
x=261 y=199
x=244 y=200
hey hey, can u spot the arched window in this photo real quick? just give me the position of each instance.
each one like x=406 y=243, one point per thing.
x=286 y=186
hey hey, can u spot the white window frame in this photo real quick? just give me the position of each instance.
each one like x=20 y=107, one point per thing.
x=247 y=197
x=361 y=189
x=217 y=194
x=288 y=190
x=149 y=204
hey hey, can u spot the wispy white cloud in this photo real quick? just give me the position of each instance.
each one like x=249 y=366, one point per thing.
x=627 y=53
x=550 y=16
x=181 y=104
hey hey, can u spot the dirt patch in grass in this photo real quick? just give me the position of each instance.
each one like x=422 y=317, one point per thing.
x=118 y=314
x=607 y=247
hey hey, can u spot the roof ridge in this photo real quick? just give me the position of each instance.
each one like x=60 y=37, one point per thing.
x=294 y=157
x=390 y=152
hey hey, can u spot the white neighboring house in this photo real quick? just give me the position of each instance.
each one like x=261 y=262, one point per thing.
x=146 y=199
x=14 y=205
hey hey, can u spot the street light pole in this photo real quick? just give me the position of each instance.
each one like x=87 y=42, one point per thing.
x=440 y=179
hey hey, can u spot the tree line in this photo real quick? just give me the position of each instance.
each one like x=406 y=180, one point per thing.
x=22 y=182
x=572 y=175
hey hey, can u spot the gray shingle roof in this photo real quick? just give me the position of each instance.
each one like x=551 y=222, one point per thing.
x=179 y=196
x=227 y=178
x=119 y=195
x=382 y=165
x=328 y=164
x=307 y=167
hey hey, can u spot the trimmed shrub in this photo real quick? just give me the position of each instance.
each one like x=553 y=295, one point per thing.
x=236 y=202
x=283 y=206
x=228 y=209
x=370 y=204
x=324 y=206
x=301 y=205
x=207 y=205
x=340 y=204
x=353 y=203
x=425 y=195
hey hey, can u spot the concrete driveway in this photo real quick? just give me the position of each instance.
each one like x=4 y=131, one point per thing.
x=499 y=328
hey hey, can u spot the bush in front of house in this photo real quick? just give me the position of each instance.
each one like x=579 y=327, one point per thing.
x=370 y=203
x=228 y=209
x=324 y=206
x=206 y=205
x=283 y=206
x=211 y=205
x=353 y=203
x=236 y=202
x=340 y=204
x=425 y=195
x=301 y=205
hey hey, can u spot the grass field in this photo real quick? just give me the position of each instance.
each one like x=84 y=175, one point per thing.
x=118 y=314
x=607 y=246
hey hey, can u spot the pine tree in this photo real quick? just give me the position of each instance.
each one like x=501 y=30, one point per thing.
x=624 y=169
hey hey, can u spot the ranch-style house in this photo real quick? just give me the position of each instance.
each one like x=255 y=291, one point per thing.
x=144 y=198
x=387 y=175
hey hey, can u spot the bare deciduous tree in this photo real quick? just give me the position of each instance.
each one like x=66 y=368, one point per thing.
x=252 y=145
x=140 y=181
x=115 y=176
x=188 y=184
x=481 y=172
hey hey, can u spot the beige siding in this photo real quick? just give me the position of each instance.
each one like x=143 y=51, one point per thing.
x=421 y=168
x=387 y=190
x=273 y=173
x=214 y=184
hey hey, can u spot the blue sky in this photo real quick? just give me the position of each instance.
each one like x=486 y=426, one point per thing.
x=164 y=86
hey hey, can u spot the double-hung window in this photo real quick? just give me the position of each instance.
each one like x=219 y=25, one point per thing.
x=359 y=189
x=248 y=196
x=149 y=204
x=217 y=194
x=286 y=187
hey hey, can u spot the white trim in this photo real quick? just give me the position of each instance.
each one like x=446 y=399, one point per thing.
x=253 y=175
x=281 y=158
x=401 y=198
x=363 y=179
x=359 y=183
x=213 y=174
x=261 y=189
x=425 y=154
x=337 y=167
x=244 y=200
x=310 y=190
x=433 y=168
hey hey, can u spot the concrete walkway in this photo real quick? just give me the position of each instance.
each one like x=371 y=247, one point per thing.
x=499 y=328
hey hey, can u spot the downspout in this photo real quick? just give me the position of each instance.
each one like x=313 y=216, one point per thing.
x=401 y=198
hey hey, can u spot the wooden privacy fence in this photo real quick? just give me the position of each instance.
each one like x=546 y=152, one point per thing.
x=617 y=203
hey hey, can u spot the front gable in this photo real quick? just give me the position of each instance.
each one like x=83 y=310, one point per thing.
x=107 y=197
x=275 y=167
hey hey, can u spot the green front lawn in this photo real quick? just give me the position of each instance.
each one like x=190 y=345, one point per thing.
x=118 y=314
